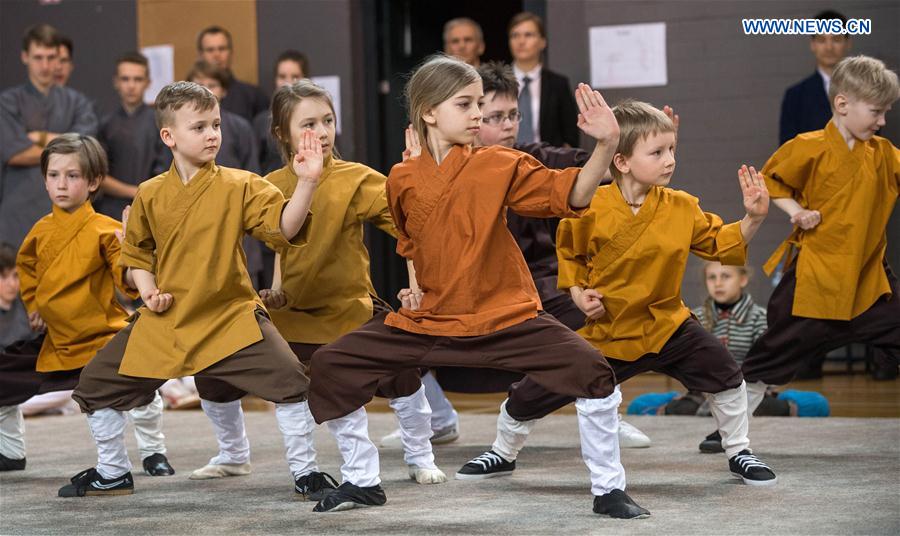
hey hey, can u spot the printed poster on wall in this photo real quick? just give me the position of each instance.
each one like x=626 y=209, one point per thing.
x=628 y=55
x=162 y=69
x=332 y=85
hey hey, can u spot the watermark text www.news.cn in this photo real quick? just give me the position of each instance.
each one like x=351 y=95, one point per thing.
x=806 y=26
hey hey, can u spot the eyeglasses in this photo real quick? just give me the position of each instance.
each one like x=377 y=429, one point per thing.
x=497 y=119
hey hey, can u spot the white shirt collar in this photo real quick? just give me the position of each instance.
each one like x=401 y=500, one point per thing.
x=534 y=74
x=826 y=77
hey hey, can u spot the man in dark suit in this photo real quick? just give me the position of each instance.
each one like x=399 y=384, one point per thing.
x=546 y=100
x=805 y=106
x=215 y=48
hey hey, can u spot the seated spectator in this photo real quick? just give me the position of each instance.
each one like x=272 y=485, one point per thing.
x=730 y=314
x=14 y=325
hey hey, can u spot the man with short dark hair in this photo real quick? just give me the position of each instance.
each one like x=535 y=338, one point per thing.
x=214 y=46
x=31 y=115
x=130 y=136
x=805 y=106
x=66 y=64
x=546 y=101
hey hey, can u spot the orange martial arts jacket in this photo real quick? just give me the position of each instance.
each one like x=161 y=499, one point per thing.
x=451 y=222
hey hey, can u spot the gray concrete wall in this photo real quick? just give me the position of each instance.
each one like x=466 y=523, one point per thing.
x=727 y=87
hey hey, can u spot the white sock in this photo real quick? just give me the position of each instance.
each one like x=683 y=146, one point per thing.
x=360 y=456
x=598 y=426
x=108 y=429
x=227 y=419
x=756 y=391
x=442 y=413
x=730 y=411
x=148 y=427
x=414 y=416
x=12 y=432
x=297 y=426
x=511 y=434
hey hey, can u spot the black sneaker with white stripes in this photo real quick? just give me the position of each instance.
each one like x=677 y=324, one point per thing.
x=314 y=487
x=487 y=465
x=751 y=470
x=89 y=482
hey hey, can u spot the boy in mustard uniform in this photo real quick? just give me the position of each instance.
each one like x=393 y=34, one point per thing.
x=839 y=185
x=623 y=263
x=68 y=263
x=202 y=320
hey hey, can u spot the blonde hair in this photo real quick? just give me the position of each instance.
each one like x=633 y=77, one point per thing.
x=283 y=102
x=637 y=120
x=433 y=82
x=172 y=97
x=91 y=157
x=866 y=79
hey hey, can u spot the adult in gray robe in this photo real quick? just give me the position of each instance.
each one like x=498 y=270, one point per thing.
x=136 y=152
x=23 y=109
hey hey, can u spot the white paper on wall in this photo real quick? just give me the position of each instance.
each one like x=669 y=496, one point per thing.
x=628 y=55
x=332 y=84
x=162 y=69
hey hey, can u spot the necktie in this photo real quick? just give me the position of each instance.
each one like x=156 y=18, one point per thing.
x=526 y=129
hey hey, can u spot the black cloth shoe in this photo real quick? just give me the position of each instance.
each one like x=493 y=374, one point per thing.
x=712 y=444
x=751 y=470
x=618 y=504
x=11 y=464
x=487 y=465
x=89 y=482
x=314 y=487
x=348 y=496
x=158 y=465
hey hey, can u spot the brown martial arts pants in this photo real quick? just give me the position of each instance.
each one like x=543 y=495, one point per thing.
x=19 y=380
x=466 y=380
x=404 y=384
x=692 y=355
x=267 y=369
x=348 y=370
x=789 y=340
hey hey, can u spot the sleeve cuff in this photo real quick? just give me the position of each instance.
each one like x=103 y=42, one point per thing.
x=563 y=184
x=572 y=274
x=273 y=237
x=135 y=257
x=731 y=245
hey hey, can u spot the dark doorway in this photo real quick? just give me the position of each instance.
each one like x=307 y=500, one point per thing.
x=398 y=35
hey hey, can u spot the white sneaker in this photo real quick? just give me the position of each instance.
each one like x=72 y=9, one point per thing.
x=220 y=470
x=438 y=437
x=392 y=440
x=445 y=435
x=630 y=437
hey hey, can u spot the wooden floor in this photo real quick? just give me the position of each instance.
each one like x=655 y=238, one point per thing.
x=850 y=395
